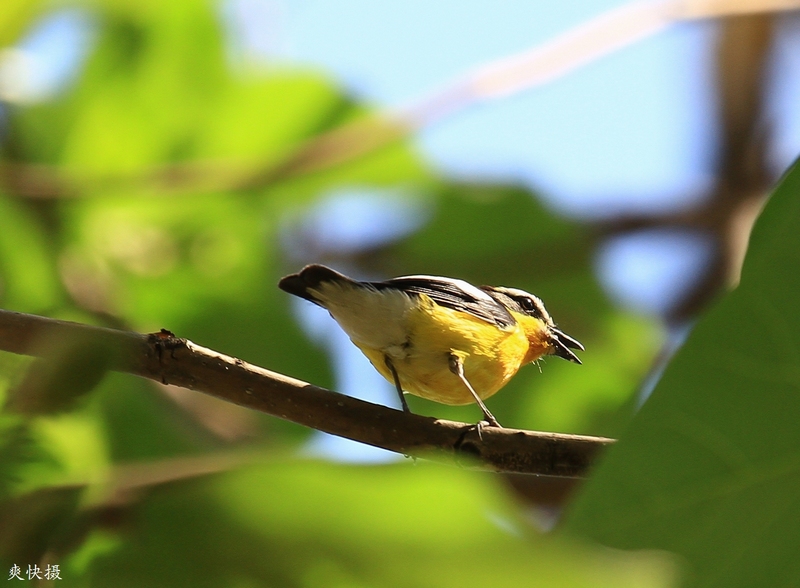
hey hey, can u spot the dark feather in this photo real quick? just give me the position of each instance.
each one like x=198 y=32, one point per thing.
x=311 y=276
x=451 y=294
x=446 y=292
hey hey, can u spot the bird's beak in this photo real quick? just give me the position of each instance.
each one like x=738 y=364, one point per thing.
x=563 y=345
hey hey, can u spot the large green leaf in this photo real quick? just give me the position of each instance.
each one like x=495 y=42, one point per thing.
x=710 y=467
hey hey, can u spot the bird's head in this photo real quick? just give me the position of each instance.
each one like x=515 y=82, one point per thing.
x=529 y=312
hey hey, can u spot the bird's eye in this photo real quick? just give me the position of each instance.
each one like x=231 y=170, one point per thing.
x=530 y=307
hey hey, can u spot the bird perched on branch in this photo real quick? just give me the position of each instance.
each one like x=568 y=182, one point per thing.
x=438 y=338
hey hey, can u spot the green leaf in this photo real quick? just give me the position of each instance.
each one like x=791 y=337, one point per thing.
x=15 y=17
x=18 y=449
x=29 y=523
x=316 y=524
x=710 y=467
x=142 y=424
x=28 y=278
x=269 y=114
x=152 y=78
x=68 y=369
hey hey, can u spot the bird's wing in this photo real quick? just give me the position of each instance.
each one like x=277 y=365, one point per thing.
x=451 y=293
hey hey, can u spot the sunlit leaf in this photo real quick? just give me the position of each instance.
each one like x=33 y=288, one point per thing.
x=711 y=465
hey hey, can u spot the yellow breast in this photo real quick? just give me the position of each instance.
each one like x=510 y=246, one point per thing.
x=491 y=355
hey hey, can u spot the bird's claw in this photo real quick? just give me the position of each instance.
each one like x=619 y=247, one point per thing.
x=486 y=422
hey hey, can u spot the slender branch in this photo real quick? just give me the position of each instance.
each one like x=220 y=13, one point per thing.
x=168 y=359
x=545 y=62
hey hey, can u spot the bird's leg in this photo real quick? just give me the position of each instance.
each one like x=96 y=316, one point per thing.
x=457 y=367
x=397 y=385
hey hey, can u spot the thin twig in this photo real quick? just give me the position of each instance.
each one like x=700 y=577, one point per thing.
x=165 y=358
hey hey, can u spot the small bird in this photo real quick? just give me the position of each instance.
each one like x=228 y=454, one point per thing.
x=439 y=338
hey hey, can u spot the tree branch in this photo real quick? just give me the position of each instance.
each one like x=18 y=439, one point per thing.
x=168 y=359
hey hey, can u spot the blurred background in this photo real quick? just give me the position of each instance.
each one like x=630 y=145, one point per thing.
x=162 y=165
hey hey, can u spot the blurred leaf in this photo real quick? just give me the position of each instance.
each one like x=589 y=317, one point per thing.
x=142 y=424
x=54 y=450
x=268 y=114
x=12 y=370
x=483 y=225
x=166 y=258
x=67 y=370
x=76 y=442
x=29 y=523
x=709 y=467
x=18 y=449
x=394 y=164
x=28 y=278
x=152 y=77
x=15 y=16
x=314 y=524
x=200 y=267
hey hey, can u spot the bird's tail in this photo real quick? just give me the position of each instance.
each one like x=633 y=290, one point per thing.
x=309 y=278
